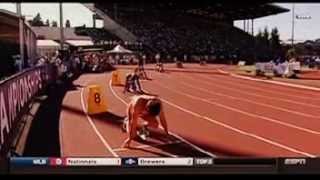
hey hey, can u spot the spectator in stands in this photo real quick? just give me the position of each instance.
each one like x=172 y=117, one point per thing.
x=317 y=61
x=144 y=59
x=157 y=57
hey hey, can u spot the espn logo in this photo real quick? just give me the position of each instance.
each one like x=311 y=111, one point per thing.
x=295 y=161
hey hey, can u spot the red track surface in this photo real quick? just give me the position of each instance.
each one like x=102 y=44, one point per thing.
x=223 y=115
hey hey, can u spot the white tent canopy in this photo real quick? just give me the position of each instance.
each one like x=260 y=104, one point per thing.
x=120 y=50
x=47 y=43
x=47 y=48
x=78 y=43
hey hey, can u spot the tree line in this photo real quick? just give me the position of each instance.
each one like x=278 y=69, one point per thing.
x=267 y=44
x=37 y=21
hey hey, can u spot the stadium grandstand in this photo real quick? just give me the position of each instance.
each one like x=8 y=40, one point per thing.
x=99 y=36
x=178 y=29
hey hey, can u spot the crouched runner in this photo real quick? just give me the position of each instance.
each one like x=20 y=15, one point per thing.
x=132 y=82
x=147 y=108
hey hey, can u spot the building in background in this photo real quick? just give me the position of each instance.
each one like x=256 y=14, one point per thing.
x=9 y=43
x=48 y=37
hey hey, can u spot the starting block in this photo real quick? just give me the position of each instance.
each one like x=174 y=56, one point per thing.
x=96 y=101
x=116 y=78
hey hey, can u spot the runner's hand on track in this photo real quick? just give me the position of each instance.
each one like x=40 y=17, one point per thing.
x=126 y=143
x=167 y=132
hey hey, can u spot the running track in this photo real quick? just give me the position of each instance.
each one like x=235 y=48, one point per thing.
x=208 y=115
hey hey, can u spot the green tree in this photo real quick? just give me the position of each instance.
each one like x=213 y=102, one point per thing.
x=37 y=21
x=54 y=24
x=47 y=23
x=266 y=36
x=68 y=24
x=291 y=53
x=259 y=37
x=266 y=44
x=275 y=41
x=259 y=45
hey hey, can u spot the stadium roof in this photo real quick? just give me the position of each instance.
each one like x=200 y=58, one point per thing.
x=241 y=12
x=9 y=26
x=9 y=18
x=53 y=33
x=209 y=9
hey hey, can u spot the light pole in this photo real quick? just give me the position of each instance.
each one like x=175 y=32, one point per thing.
x=61 y=26
x=293 y=23
x=21 y=38
x=292 y=31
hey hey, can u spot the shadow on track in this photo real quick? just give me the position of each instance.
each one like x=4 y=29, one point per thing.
x=43 y=139
x=220 y=150
x=157 y=139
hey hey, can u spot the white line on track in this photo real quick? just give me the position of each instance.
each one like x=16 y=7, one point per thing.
x=272 y=82
x=264 y=89
x=246 y=100
x=105 y=143
x=240 y=131
x=175 y=135
x=253 y=102
x=257 y=95
x=243 y=112
x=148 y=146
x=61 y=139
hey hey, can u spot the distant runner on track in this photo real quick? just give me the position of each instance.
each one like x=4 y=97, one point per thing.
x=132 y=82
x=148 y=108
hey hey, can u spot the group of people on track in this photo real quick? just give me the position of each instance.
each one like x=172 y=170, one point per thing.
x=141 y=107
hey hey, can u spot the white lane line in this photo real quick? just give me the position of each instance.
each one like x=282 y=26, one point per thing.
x=253 y=94
x=296 y=87
x=147 y=146
x=95 y=128
x=246 y=100
x=175 y=135
x=274 y=82
x=61 y=138
x=242 y=112
x=264 y=89
x=240 y=131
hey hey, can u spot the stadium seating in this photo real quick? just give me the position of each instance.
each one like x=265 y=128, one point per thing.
x=177 y=35
x=98 y=35
x=185 y=35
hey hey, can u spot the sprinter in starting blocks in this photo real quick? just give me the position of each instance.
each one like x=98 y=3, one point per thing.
x=132 y=82
x=146 y=108
x=96 y=101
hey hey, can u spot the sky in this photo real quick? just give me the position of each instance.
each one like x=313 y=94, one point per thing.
x=307 y=29
x=75 y=12
x=79 y=15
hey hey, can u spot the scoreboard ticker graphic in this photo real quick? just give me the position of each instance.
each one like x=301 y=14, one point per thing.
x=188 y=165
